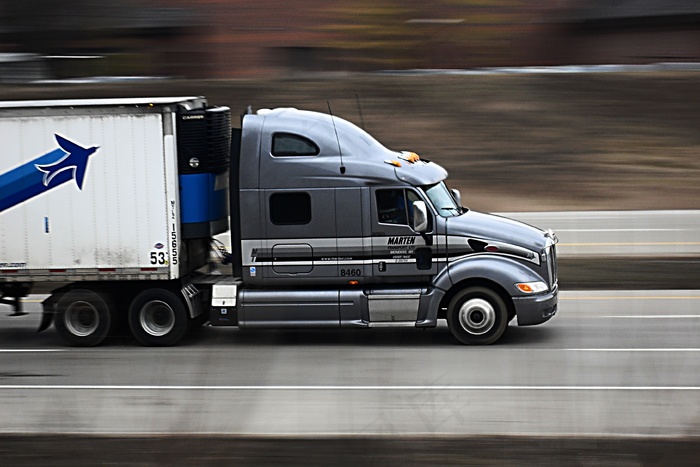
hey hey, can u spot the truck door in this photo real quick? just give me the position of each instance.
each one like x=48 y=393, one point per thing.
x=398 y=252
x=352 y=235
x=300 y=233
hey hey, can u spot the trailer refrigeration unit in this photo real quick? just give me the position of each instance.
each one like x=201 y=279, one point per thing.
x=111 y=205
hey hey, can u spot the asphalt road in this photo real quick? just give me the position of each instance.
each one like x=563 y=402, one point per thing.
x=624 y=250
x=610 y=363
x=612 y=379
x=621 y=233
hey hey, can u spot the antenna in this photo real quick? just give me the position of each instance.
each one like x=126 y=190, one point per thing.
x=359 y=109
x=342 y=167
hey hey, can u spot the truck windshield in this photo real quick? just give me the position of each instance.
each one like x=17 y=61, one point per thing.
x=442 y=200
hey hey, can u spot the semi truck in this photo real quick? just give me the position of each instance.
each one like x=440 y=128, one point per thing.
x=112 y=208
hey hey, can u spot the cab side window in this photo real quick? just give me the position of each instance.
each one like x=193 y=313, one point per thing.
x=289 y=144
x=290 y=208
x=391 y=207
x=396 y=207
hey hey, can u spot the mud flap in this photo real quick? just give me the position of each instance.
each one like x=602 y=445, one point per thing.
x=49 y=306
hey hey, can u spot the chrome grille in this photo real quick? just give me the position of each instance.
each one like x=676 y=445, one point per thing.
x=553 y=267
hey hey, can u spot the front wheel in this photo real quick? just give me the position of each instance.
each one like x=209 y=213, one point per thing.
x=477 y=316
x=157 y=317
x=83 y=317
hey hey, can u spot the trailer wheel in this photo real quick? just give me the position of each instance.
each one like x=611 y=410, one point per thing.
x=477 y=316
x=83 y=317
x=157 y=317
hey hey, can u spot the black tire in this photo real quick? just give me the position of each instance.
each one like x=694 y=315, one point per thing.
x=83 y=317
x=157 y=317
x=477 y=316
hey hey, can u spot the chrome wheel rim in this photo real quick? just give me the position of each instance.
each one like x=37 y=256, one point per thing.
x=477 y=316
x=157 y=318
x=81 y=318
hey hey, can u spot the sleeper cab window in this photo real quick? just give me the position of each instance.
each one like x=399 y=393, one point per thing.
x=289 y=145
x=290 y=208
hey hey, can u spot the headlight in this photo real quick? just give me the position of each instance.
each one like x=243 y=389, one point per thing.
x=532 y=287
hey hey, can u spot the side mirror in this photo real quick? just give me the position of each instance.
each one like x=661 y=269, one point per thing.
x=457 y=196
x=420 y=217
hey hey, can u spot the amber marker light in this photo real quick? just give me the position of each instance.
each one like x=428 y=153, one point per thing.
x=393 y=162
x=354 y=282
x=411 y=157
x=532 y=287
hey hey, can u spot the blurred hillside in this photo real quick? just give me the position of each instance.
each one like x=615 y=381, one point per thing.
x=523 y=142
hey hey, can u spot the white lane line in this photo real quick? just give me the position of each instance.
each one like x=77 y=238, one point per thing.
x=622 y=230
x=686 y=214
x=630 y=244
x=519 y=349
x=651 y=316
x=630 y=350
x=566 y=296
x=345 y=388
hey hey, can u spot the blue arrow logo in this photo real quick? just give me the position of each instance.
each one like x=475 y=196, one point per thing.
x=53 y=169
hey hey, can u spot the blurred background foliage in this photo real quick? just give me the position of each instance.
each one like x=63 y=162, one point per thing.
x=233 y=38
x=439 y=34
x=511 y=140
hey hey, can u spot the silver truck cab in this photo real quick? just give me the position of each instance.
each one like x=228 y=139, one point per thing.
x=332 y=229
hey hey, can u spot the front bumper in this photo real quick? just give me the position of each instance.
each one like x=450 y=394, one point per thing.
x=536 y=309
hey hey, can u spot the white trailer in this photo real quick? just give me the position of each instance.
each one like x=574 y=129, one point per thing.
x=120 y=200
x=122 y=193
